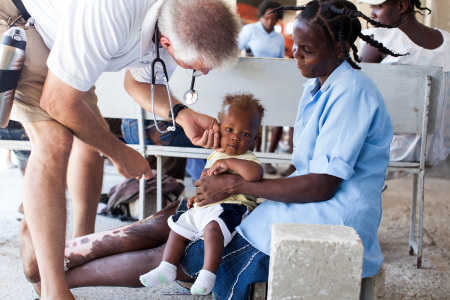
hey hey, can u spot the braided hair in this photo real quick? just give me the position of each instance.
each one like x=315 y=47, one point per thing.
x=338 y=20
x=416 y=4
x=269 y=5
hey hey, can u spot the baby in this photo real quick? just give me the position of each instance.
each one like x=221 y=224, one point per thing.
x=239 y=119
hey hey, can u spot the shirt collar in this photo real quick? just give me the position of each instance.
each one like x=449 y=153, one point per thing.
x=314 y=83
x=260 y=25
x=148 y=27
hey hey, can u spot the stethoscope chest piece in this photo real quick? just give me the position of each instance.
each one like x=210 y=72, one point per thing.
x=190 y=97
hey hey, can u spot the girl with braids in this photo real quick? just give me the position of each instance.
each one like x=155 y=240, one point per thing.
x=341 y=152
x=263 y=41
x=426 y=47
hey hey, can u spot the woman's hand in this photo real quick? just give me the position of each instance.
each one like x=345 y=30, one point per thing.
x=190 y=203
x=211 y=189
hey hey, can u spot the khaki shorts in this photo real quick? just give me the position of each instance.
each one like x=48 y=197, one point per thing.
x=26 y=106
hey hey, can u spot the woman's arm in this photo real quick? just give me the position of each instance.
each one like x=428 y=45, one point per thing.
x=299 y=189
x=370 y=54
x=249 y=170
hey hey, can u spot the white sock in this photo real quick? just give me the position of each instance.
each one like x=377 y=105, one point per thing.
x=164 y=273
x=204 y=283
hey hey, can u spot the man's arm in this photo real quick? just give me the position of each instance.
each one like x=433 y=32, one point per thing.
x=64 y=103
x=201 y=129
x=298 y=189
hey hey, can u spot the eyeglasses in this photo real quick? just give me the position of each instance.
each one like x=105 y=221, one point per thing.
x=191 y=96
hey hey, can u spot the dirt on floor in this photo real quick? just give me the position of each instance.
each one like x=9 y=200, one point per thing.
x=403 y=279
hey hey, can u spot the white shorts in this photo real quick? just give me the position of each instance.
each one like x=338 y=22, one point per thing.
x=190 y=224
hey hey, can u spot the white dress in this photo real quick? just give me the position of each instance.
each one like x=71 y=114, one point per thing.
x=407 y=147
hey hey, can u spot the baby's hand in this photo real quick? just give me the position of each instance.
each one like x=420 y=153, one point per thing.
x=220 y=166
x=204 y=172
x=190 y=203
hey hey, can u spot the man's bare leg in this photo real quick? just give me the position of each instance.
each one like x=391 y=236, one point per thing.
x=85 y=178
x=30 y=266
x=147 y=234
x=45 y=202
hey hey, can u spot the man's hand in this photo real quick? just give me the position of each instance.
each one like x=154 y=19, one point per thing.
x=211 y=189
x=201 y=129
x=131 y=164
x=219 y=166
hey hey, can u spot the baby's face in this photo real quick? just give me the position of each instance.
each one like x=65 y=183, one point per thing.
x=238 y=129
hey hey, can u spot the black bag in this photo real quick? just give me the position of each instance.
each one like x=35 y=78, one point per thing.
x=118 y=199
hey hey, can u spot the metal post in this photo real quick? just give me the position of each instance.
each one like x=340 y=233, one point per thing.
x=142 y=204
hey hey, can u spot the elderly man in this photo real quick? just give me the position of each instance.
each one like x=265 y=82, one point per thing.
x=71 y=44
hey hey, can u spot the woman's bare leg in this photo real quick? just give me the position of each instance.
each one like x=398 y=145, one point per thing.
x=118 y=270
x=149 y=233
x=121 y=269
x=146 y=234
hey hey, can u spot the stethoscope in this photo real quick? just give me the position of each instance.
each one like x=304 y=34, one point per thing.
x=189 y=97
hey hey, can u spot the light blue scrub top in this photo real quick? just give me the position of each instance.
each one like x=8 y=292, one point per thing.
x=261 y=43
x=342 y=129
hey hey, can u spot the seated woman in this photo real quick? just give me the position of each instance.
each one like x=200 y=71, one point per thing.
x=426 y=47
x=342 y=136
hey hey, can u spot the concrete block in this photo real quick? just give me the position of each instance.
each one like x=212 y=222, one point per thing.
x=315 y=262
x=373 y=288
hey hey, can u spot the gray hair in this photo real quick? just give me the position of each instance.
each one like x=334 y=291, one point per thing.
x=205 y=30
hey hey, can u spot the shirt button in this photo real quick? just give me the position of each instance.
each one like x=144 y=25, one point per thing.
x=304 y=124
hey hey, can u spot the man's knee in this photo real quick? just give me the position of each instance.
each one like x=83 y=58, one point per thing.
x=49 y=139
x=30 y=266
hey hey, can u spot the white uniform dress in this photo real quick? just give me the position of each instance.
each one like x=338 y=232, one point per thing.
x=407 y=147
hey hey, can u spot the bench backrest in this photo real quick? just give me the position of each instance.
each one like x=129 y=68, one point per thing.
x=279 y=85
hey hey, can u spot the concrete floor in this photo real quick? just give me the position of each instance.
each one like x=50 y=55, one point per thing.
x=403 y=280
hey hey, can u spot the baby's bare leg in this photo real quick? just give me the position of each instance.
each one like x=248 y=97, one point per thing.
x=214 y=241
x=174 y=248
x=213 y=238
x=166 y=272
